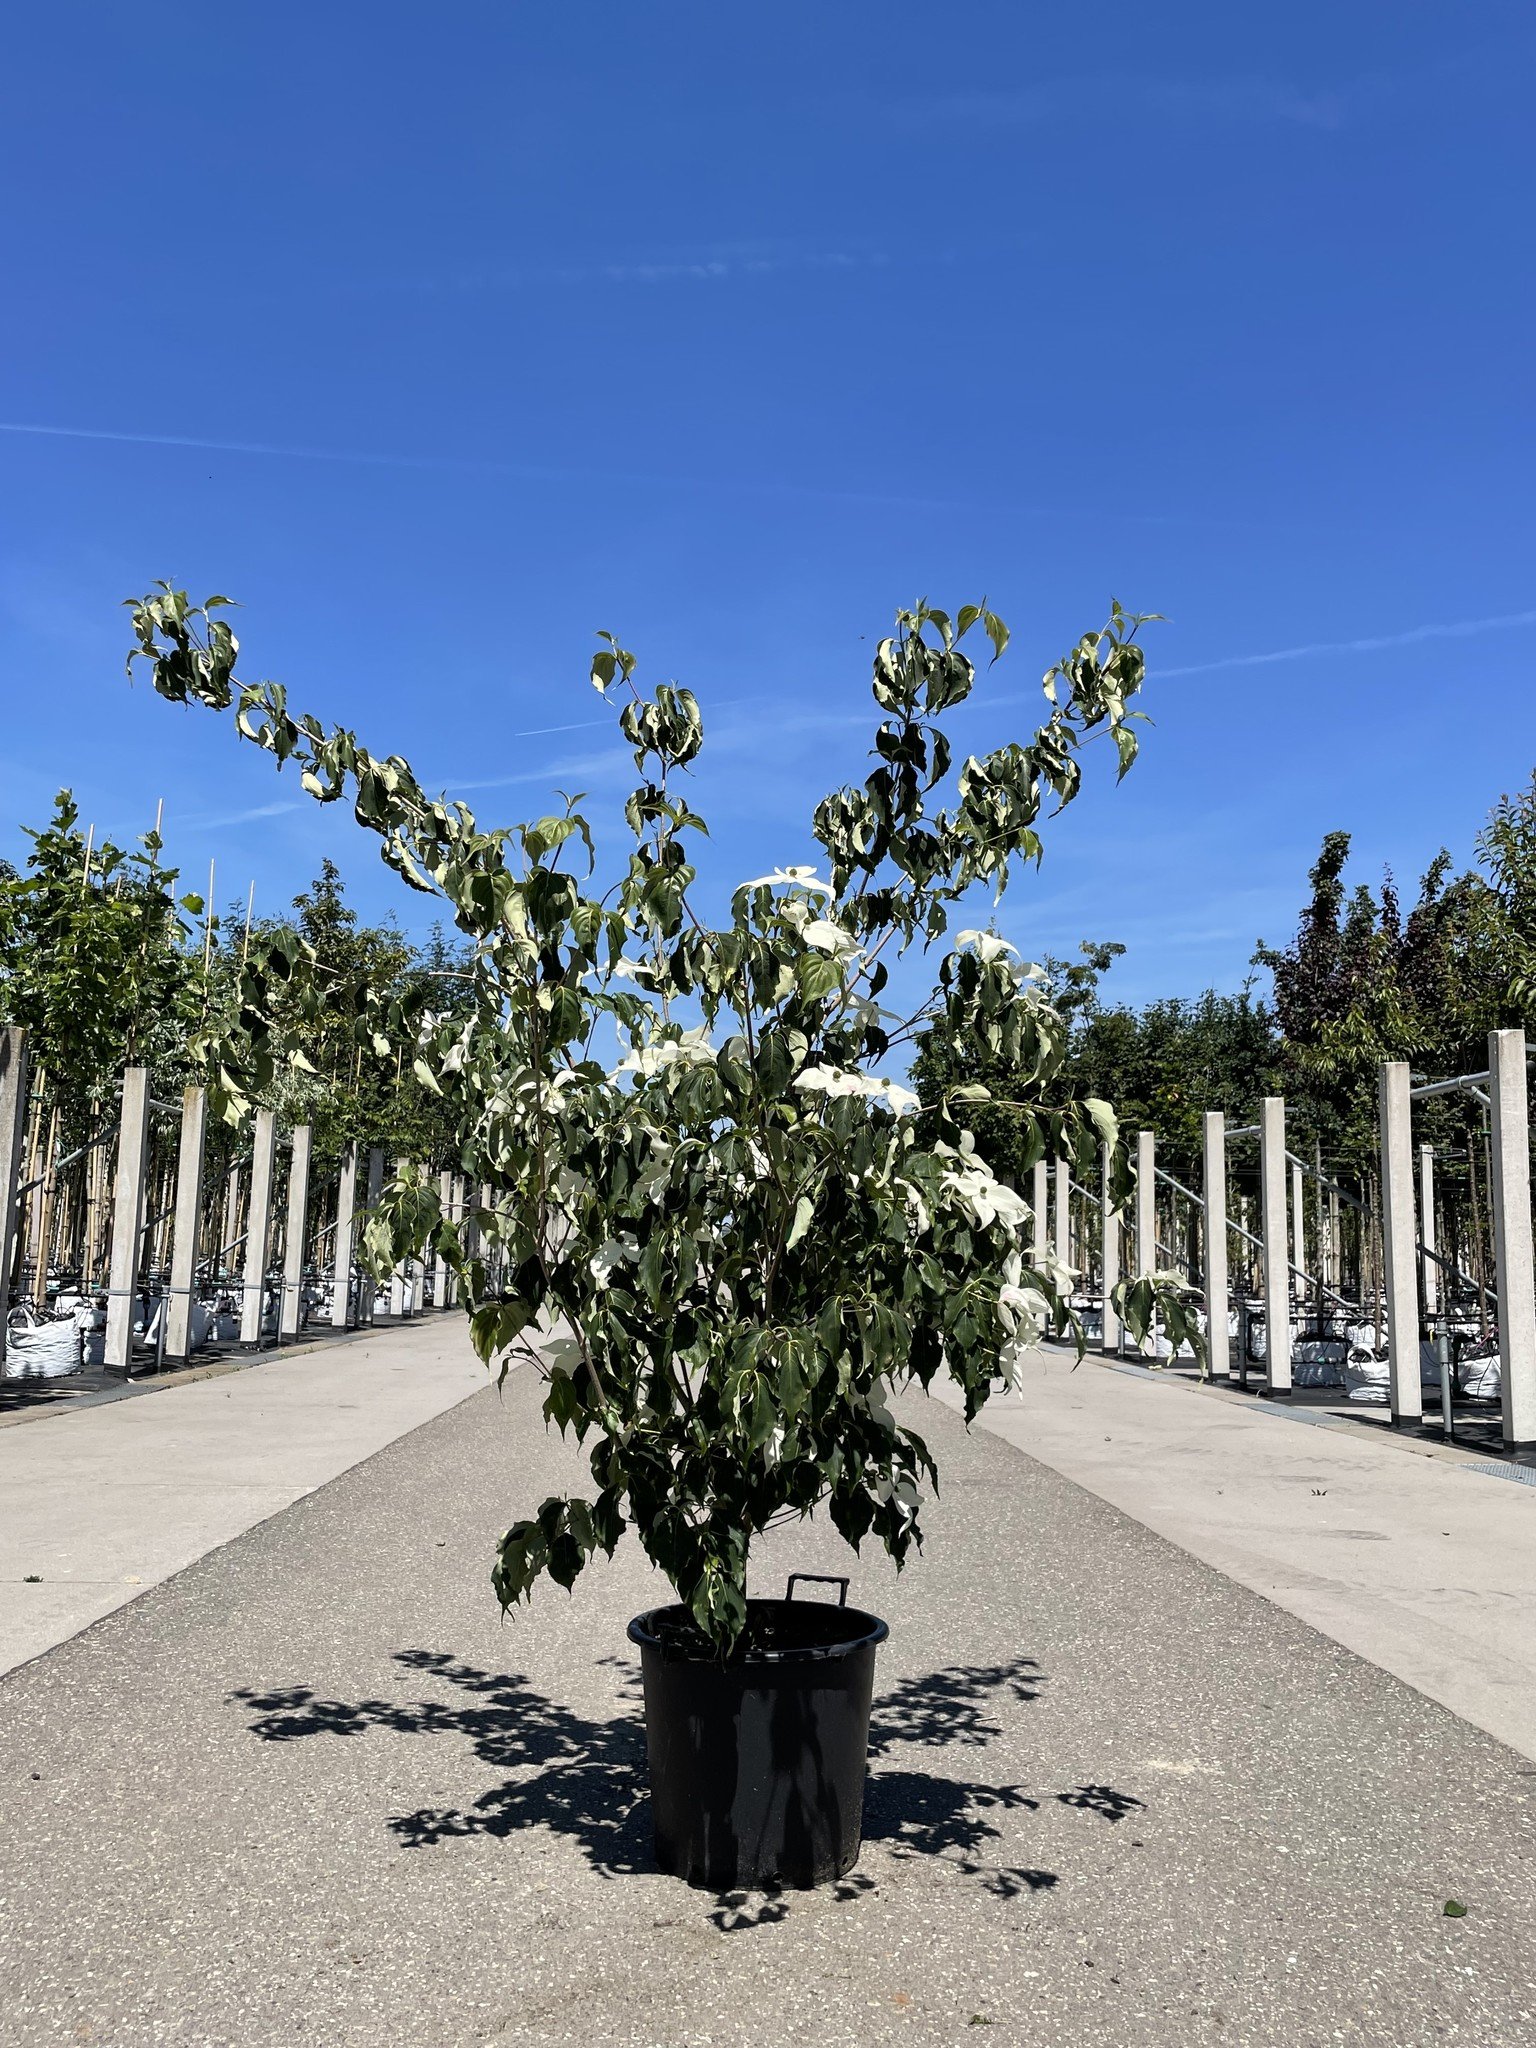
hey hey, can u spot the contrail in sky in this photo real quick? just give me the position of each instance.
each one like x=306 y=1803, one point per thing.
x=478 y=465
x=1460 y=629
x=301 y=454
x=487 y=465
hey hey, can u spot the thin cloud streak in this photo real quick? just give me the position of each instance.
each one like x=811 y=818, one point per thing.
x=492 y=466
x=732 y=486
x=206 y=820
x=1458 y=629
x=219 y=447
x=716 y=263
x=1246 y=98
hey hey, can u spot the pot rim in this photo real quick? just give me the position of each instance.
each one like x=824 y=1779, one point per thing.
x=866 y=1631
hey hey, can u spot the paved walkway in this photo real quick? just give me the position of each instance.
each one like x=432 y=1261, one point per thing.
x=98 y=1502
x=1407 y=1554
x=313 y=1789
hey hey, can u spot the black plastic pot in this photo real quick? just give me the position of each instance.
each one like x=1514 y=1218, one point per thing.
x=757 y=1766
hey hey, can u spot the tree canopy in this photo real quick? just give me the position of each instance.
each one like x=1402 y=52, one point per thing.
x=722 y=1251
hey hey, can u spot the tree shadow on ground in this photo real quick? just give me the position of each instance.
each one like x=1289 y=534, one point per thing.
x=586 y=1779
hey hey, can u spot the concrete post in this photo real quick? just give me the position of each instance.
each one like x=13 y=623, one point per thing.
x=1276 y=1236
x=1427 y=1228
x=1214 y=1217
x=1512 y=1237
x=1298 y=1232
x=127 y=1219
x=13 y=1129
x=441 y=1278
x=1146 y=1218
x=1146 y=1204
x=291 y=1309
x=1039 y=1202
x=184 y=1230
x=258 y=1223
x=346 y=1230
x=1063 y=1216
x=1399 y=1249
x=1109 y=1227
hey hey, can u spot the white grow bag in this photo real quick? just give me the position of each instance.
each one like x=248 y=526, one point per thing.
x=39 y=1348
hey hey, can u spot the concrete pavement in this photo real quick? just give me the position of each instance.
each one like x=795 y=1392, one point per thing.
x=1407 y=1556
x=313 y=1789
x=99 y=1503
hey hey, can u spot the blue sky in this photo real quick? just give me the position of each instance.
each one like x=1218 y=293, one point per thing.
x=441 y=338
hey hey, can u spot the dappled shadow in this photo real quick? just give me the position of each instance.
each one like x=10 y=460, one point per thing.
x=585 y=1779
x=1103 y=1800
x=579 y=1777
x=736 y=1911
x=915 y=1814
x=953 y=1706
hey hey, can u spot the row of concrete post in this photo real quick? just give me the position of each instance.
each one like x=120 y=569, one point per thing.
x=128 y=1231
x=1412 y=1288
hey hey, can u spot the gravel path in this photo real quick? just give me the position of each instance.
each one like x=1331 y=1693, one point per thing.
x=313 y=1790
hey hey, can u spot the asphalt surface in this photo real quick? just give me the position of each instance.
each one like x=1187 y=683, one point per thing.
x=312 y=1789
x=1419 y=1557
x=104 y=1499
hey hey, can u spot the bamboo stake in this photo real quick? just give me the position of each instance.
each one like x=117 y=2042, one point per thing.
x=45 y=1227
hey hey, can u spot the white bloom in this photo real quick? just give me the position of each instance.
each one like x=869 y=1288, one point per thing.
x=1061 y=1279
x=986 y=945
x=795 y=878
x=837 y=1081
x=690 y=1049
x=627 y=970
x=827 y=937
x=614 y=1252
x=985 y=1198
x=832 y=1082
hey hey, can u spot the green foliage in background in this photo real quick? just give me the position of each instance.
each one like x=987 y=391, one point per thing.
x=353 y=1088
x=97 y=962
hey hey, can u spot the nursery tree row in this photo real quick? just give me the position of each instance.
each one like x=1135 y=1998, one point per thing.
x=107 y=961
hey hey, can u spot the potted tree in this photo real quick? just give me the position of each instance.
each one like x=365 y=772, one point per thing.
x=725 y=1241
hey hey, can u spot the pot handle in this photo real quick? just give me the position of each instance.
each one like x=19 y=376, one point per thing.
x=818 y=1579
